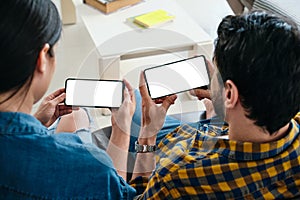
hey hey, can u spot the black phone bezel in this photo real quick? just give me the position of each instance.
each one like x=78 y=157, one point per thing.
x=182 y=60
x=85 y=79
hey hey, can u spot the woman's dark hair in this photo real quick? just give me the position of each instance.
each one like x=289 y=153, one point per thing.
x=26 y=26
x=260 y=53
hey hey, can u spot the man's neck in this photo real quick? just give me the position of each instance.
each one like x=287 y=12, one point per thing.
x=243 y=129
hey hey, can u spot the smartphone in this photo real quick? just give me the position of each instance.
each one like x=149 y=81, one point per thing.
x=176 y=77
x=94 y=93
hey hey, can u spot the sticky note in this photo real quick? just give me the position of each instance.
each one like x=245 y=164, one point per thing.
x=153 y=18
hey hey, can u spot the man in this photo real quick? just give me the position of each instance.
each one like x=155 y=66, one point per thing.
x=257 y=56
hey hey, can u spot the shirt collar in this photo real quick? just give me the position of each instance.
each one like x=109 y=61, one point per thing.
x=257 y=151
x=20 y=123
x=246 y=150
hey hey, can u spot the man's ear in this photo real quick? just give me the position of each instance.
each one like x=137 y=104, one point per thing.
x=42 y=59
x=231 y=94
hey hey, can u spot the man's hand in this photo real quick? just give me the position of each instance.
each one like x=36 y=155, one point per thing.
x=153 y=118
x=210 y=110
x=153 y=115
x=50 y=108
x=200 y=93
x=204 y=93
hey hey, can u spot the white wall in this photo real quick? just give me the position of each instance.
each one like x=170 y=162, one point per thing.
x=207 y=13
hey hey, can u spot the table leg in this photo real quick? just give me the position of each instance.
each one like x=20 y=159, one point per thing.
x=109 y=67
x=68 y=12
x=205 y=49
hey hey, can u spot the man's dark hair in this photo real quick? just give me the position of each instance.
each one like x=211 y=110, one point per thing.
x=26 y=26
x=260 y=53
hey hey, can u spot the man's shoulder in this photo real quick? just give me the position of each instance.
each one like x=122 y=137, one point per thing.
x=191 y=133
x=297 y=118
x=182 y=149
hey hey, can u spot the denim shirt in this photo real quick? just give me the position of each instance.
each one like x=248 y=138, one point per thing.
x=35 y=164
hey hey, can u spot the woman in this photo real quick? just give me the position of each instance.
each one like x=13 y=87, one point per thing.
x=35 y=163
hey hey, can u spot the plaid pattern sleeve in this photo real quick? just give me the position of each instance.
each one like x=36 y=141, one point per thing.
x=140 y=184
x=193 y=165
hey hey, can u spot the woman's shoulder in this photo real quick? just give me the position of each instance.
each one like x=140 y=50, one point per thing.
x=72 y=144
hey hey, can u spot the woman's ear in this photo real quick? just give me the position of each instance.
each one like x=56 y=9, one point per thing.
x=231 y=94
x=41 y=65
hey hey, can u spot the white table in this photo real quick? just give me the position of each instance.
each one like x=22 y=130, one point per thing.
x=117 y=40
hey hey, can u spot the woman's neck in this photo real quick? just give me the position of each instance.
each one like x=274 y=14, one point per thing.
x=19 y=101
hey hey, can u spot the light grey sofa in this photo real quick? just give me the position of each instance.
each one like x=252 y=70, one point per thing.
x=289 y=8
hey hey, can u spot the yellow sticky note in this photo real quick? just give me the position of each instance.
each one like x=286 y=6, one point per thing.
x=153 y=18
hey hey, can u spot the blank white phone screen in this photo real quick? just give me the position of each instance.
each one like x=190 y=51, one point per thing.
x=177 y=77
x=94 y=93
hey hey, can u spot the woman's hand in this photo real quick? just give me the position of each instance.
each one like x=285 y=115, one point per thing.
x=120 y=136
x=153 y=115
x=122 y=117
x=50 y=108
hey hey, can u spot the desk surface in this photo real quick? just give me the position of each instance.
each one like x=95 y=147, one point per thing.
x=113 y=36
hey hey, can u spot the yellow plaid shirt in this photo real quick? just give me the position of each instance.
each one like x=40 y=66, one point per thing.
x=193 y=165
